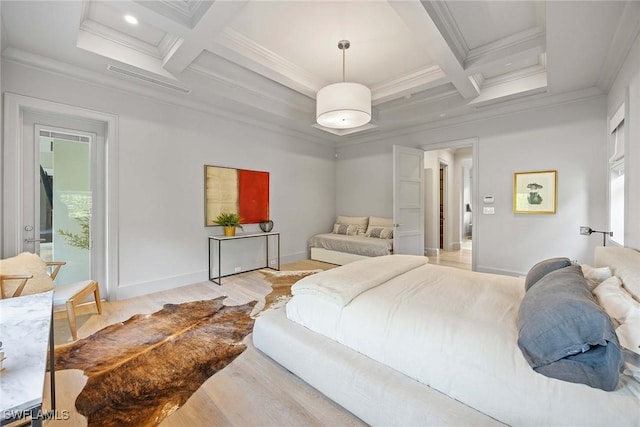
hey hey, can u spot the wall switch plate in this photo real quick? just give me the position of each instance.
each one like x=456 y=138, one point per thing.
x=237 y=269
x=488 y=210
x=487 y=199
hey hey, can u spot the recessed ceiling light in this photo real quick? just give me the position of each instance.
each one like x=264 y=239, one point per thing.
x=131 y=19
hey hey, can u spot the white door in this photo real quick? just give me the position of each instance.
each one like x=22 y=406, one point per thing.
x=61 y=196
x=408 y=200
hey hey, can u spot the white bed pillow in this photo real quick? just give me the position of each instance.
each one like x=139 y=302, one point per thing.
x=617 y=302
x=594 y=275
x=360 y=221
x=629 y=332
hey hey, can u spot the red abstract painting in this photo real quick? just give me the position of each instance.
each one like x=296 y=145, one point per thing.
x=253 y=189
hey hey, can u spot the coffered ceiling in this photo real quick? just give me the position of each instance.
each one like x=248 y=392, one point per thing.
x=425 y=62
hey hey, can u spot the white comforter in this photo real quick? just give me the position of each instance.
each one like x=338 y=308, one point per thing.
x=455 y=331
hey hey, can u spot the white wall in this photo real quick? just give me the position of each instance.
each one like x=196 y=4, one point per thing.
x=628 y=81
x=569 y=138
x=162 y=150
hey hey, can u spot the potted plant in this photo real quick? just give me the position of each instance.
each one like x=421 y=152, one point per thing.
x=229 y=221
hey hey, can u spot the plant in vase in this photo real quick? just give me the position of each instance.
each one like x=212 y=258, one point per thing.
x=229 y=221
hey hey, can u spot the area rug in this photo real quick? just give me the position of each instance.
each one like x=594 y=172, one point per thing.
x=142 y=370
x=281 y=282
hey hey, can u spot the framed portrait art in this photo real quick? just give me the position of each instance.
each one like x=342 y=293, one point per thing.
x=534 y=192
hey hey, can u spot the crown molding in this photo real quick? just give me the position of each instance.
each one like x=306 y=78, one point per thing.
x=113 y=36
x=528 y=42
x=236 y=84
x=409 y=83
x=105 y=81
x=514 y=76
x=187 y=13
x=278 y=68
x=505 y=109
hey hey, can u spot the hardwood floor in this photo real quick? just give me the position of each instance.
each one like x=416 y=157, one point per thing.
x=252 y=391
x=458 y=259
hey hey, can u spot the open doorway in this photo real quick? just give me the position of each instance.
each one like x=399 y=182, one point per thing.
x=449 y=204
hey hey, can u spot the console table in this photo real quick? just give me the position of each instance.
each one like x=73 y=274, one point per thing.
x=219 y=240
x=26 y=332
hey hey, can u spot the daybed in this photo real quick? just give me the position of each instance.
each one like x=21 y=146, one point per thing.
x=353 y=239
x=398 y=341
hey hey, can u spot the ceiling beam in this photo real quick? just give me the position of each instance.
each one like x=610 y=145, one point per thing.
x=212 y=23
x=421 y=24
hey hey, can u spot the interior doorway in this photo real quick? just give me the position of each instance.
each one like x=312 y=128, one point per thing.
x=449 y=203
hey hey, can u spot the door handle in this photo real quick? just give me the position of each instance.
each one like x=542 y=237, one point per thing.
x=34 y=240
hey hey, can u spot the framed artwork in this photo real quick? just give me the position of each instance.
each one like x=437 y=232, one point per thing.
x=240 y=191
x=534 y=192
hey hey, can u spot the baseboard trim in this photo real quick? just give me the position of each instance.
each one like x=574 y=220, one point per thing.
x=144 y=288
x=432 y=251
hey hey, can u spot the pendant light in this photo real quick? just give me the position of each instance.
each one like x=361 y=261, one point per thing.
x=343 y=105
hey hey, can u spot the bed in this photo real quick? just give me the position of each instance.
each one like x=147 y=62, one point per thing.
x=410 y=343
x=353 y=239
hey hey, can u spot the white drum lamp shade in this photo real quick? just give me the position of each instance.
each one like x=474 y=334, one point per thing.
x=343 y=105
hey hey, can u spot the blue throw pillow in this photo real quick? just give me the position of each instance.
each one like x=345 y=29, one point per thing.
x=565 y=334
x=543 y=268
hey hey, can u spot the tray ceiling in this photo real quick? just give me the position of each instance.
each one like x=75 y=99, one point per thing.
x=423 y=61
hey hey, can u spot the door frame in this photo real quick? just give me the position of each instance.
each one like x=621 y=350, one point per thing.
x=475 y=218
x=11 y=180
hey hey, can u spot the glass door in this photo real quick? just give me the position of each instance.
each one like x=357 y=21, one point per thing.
x=65 y=201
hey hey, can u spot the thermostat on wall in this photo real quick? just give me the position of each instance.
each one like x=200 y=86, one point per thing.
x=487 y=199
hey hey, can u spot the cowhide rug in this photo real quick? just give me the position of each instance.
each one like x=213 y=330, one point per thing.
x=142 y=370
x=281 y=282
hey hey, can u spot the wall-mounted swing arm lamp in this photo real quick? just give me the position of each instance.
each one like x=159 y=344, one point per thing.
x=586 y=231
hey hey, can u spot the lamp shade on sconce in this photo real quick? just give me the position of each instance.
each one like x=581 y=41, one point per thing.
x=343 y=105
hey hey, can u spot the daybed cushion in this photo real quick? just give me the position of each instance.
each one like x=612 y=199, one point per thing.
x=360 y=221
x=375 y=221
x=358 y=245
x=565 y=334
x=543 y=268
x=26 y=263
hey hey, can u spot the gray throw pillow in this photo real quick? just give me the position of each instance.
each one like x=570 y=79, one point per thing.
x=563 y=333
x=543 y=268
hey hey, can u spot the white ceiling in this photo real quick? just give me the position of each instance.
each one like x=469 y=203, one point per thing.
x=425 y=62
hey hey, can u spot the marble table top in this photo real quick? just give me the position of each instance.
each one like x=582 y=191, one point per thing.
x=24 y=332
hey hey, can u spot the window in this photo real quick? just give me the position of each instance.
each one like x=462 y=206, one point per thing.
x=616 y=177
